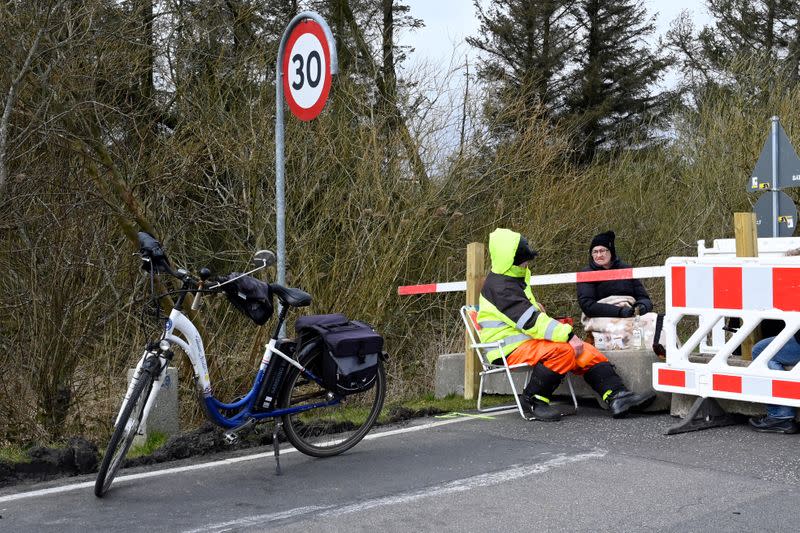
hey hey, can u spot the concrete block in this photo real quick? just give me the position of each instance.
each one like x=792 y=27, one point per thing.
x=682 y=403
x=163 y=417
x=634 y=366
x=449 y=378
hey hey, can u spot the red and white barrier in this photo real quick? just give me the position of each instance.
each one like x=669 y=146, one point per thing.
x=546 y=279
x=735 y=287
x=767 y=246
x=752 y=289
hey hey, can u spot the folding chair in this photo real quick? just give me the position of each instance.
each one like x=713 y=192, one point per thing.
x=469 y=314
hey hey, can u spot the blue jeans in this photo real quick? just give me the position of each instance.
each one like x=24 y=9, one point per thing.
x=789 y=354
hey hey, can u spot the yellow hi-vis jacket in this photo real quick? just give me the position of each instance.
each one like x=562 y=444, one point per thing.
x=508 y=312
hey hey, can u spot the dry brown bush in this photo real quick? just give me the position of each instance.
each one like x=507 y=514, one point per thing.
x=71 y=292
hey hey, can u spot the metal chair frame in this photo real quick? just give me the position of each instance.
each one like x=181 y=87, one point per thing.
x=489 y=368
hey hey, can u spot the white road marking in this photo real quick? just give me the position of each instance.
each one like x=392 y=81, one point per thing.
x=458 y=485
x=259 y=519
x=465 y=484
x=223 y=462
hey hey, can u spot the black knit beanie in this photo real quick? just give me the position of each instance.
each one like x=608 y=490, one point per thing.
x=604 y=239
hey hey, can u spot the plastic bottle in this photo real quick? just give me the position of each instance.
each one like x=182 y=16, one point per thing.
x=638 y=337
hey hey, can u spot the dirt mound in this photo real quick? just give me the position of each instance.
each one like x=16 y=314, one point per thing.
x=82 y=457
x=79 y=457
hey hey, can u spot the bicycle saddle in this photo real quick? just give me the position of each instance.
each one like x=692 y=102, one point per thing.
x=291 y=297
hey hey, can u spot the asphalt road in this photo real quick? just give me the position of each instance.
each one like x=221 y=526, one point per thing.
x=586 y=473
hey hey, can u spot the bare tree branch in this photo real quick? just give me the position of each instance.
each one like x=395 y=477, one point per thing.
x=13 y=91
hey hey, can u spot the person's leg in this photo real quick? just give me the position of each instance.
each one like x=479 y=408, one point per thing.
x=789 y=354
x=779 y=418
x=760 y=345
x=601 y=376
x=550 y=362
x=556 y=356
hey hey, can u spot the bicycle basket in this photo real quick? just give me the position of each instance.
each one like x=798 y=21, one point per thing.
x=251 y=296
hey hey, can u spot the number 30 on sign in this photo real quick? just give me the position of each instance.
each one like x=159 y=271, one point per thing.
x=306 y=70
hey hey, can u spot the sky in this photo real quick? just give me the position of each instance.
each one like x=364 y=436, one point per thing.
x=440 y=52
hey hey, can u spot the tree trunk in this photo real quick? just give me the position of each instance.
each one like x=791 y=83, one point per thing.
x=11 y=99
x=412 y=150
x=389 y=92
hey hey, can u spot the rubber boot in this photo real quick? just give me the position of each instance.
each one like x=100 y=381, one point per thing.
x=606 y=382
x=536 y=396
x=623 y=401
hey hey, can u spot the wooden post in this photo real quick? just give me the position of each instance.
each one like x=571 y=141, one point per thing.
x=476 y=273
x=744 y=225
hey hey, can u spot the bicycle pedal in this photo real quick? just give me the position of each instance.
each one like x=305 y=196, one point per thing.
x=232 y=436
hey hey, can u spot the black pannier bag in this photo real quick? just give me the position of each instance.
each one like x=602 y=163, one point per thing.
x=251 y=296
x=350 y=351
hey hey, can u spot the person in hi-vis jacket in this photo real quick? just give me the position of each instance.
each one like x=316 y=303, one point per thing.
x=509 y=313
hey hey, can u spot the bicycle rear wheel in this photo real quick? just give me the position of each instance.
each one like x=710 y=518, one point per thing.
x=123 y=435
x=328 y=431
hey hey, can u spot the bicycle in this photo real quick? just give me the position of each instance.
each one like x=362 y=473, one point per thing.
x=318 y=419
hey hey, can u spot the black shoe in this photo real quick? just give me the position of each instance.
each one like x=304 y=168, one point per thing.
x=768 y=424
x=540 y=409
x=623 y=401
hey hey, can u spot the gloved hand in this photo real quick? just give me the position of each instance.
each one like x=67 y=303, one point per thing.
x=626 y=312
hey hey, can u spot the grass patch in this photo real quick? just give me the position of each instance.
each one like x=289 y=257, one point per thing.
x=428 y=404
x=454 y=402
x=155 y=440
x=410 y=408
x=13 y=454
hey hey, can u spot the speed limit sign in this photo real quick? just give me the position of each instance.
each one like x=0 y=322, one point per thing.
x=304 y=64
x=306 y=70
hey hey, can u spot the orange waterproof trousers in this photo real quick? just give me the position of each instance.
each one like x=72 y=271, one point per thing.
x=557 y=356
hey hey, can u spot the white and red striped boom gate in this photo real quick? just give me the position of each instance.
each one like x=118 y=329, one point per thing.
x=752 y=289
x=544 y=279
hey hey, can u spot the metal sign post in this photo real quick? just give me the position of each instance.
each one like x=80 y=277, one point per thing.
x=775 y=154
x=307 y=44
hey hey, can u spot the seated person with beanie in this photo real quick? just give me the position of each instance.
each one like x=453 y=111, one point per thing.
x=618 y=298
x=603 y=256
x=509 y=313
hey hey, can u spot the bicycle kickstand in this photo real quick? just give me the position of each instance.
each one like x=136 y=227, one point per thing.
x=276 y=447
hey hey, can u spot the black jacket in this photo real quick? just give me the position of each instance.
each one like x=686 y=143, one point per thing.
x=590 y=293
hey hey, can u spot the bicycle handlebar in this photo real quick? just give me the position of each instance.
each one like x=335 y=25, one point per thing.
x=154 y=260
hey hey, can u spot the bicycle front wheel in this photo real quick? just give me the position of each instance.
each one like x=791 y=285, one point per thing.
x=328 y=431
x=123 y=435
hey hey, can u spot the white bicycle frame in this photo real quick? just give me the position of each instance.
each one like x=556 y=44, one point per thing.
x=192 y=346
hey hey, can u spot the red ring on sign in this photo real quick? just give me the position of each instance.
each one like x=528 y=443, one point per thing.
x=307 y=113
